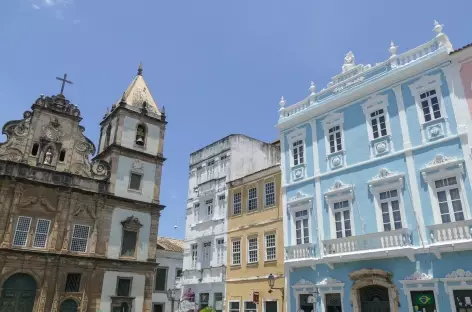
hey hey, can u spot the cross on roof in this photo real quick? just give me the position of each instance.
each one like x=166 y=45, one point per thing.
x=64 y=81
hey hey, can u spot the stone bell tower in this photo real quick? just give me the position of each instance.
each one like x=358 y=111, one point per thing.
x=132 y=140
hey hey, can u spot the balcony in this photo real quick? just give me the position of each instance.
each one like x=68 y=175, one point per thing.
x=377 y=245
x=178 y=282
x=298 y=252
x=458 y=231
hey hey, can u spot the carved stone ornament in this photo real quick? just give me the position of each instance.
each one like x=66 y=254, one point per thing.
x=36 y=202
x=439 y=160
x=59 y=104
x=138 y=165
x=349 y=61
x=298 y=197
x=338 y=185
x=459 y=273
x=131 y=223
x=53 y=130
x=303 y=282
x=48 y=156
x=329 y=281
x=418 y=276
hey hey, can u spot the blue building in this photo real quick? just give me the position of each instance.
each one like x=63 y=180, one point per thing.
x=377 y=187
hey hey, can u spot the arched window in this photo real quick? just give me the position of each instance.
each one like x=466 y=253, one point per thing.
x=62 y=155
x=107 y=136
x=35 y=149
x=140 y=135
x=69 y=305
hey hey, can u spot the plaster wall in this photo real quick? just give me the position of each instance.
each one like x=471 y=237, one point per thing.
x=109 y=289
x=124 y=169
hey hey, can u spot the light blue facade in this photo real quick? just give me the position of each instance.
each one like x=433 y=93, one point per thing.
x=383 y=207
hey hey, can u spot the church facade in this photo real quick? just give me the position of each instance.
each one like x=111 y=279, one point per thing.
x=79 y=234
x=377 y=186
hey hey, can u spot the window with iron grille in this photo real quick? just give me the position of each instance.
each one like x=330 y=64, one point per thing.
x=73 y=282
x=21 y=232
x=269 y=194
x=237 y=203
x=204 y=298
x=41 y=235
x=123 y=288
x=252 y=199
x=79 y=238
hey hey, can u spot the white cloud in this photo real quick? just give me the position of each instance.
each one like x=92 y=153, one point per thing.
x=35 y=6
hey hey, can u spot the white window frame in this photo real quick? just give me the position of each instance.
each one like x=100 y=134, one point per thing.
x=442 y=167
x=193 y=255
x=72 y=237
x=292 y=137
x=274 y=233
x=240 y=203
x=330 y=286
x=206 y=257
x=248 y=249
x=454 y=281
x=250 y=301
x=338 y=193
x=342 y=217
x=229 y=305
x=234 y=240
x=256 y=199
x=420 y=285
x=295 y=219
x=265 y=193
x=384 y=181
x=220 y=250
x=333 y=120
x=298 y=203
x=424 y=84
x=27 y=232
x=447 y=189
x=374 y=104
x=265 y=300
x=209 y=211
x=36 y=233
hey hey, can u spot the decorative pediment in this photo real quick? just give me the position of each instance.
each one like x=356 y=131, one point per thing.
x=339 y=189
x=459 y=273
x=299 y=199
x=443 y=163
x=131 y=224
x=329 y=281
x=138 y=165
x=303 y=283
x=418 y=276
x=333 y=119
x=379 y=101
x=85 y=207
x=386 y=176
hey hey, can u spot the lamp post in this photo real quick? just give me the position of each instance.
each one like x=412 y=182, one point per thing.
x=171 y=297
x=271 y=281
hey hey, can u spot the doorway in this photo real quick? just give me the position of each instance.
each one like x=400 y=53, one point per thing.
x=18 y=294
x=374 y=299
x=270 y=306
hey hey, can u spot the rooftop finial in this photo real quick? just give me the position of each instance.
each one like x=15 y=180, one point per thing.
x=438 y=27
x=282 y=102
x=140 y=69
x=393 y=48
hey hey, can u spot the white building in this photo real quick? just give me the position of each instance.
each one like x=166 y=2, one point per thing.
x=205 y=239
x=169 y=256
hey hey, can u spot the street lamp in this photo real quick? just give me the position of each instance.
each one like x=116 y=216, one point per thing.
x=171 y=297
x=271 y=281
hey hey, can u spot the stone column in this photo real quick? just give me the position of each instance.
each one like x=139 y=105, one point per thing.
x=63 y=198
x=3 y=206
x=41 y=303
x=155 y=215
x=70 y=213
x=99 y=204
x=148 y=292
x=13 y=212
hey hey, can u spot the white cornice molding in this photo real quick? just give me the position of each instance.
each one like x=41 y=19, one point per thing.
x=386 y=176
x=441 y=163
x=425 y=83
x=375 y=102
x=332 y=119
x=299 y=199
x=339 y=188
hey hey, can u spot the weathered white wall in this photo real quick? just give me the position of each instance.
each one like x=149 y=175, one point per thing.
x=114 y=242
x=128 y=136
x=109 y=290
x=125 y=166
x=172 y=261
x=113 y=124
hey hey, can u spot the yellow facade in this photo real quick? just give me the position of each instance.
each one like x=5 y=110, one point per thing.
x=255 y=243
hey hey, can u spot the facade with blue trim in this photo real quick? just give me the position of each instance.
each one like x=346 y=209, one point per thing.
x=376 y=188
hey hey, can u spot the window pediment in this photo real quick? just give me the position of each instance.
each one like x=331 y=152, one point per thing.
x=376 y=102
x=330 y=282
x=386 y=177
x=131 y=224
x=299 y=199
x=332 y=119
x=296 y=134
x=440 y=164
x=424 y=83
x=339 y=190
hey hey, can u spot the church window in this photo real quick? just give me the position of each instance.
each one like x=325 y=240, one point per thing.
x=123 y=288
x=79 y=238
x=128 y=244
x=62 y=155
x=35 y=149
x=135 y=181
x=21 y=233
x=107 y=136
x=140 y=135
x=73 y=282
x=41 y=234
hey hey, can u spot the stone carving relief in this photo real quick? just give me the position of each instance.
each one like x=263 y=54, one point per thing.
x=131 y=223
x=459 y=273
x=37 y=203
x=16 y=132
x=418 y=276
x=53 y=130
x=349 y=61
x=439 y=160
x=329 y=281
x=138 y=165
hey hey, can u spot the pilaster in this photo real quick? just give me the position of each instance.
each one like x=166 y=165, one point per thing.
x=67 y=232
x=155 y=216
x=6 y=243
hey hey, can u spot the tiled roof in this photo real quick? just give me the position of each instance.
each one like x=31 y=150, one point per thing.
x=463 y=48
x=170 y=244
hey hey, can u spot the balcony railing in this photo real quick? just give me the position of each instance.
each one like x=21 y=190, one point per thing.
x=373 y=241
x=303 y=251
x=453 y=231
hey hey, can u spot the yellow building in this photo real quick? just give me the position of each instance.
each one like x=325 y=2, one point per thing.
x=255 y=243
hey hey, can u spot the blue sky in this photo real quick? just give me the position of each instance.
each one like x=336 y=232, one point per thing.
x=219 y=67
